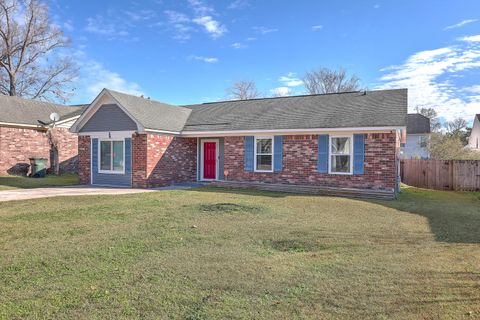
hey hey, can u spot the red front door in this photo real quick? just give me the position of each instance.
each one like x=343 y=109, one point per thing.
x=209 y=160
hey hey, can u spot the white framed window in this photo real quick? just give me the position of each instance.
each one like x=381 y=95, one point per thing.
x=111 y=156
x=341 y=155
x=263 y=154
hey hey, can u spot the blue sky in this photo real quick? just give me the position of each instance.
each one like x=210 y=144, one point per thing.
x=190 y=51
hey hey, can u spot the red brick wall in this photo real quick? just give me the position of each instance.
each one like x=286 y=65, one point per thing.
x=139 y=161
x=84 y=159
x=17 y=145
x=67 y=149
x=160 y=160
x=300 y=163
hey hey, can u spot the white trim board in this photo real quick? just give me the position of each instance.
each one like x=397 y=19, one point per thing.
x=288 y=131
x=330 y=154
x=255 y=138
x=99 y=170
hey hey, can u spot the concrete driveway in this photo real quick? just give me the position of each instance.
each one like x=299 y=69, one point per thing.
x=23 y=194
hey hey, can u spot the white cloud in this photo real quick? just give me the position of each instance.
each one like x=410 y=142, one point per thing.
x=68 y=25
x=212 y=26
x=179 y=22
x=291 y=80
x=237 y=4
x=100 y=25
x=264 y=30
x=94 y=76
x=238 y=45
x=118 y=24
x=376 y=6
x=460 y=24
x=203 y=15
x=251 y=39
x=435 y=79
x=200 y=8
x=204 y=59
x=140 y=15
x=100 y=77
x=471 y=38
x=317 y=27
x=281 y=92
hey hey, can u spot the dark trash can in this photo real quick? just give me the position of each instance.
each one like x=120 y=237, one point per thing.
x=38 y=167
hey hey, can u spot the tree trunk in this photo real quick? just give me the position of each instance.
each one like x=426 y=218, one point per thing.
x=13 y=86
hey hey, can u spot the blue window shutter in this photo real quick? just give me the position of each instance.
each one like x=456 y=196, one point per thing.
x=249 y=153
x=278 y=153
x=358 y=153
x=322 y=165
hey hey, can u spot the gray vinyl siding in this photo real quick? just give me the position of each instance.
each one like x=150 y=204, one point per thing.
x=109 y=117
x=221 y=157
x=109 y=179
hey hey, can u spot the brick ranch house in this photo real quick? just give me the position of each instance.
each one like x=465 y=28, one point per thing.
x=348 y=140
x=23 y=134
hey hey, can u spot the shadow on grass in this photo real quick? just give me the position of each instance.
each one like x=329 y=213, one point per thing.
x=453 y=216
x=22 y=182
x=248 y=192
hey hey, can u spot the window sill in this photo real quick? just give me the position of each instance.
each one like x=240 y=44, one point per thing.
x=111 y=172
x=342 y=173
x=263 y=171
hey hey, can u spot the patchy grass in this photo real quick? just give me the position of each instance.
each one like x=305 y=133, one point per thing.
x=216 y=254
x=19 y=182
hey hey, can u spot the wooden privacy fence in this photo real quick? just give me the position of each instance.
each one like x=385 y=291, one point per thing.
x=459 y=175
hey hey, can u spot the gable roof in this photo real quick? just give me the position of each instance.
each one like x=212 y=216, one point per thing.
x=16 y=110
x=417 y=123
x=152 y=114
x=381 y=108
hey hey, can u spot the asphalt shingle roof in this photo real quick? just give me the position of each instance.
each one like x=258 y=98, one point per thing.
x=355 y=109
x=417 y=123
x=153 y=114
x=25 y=111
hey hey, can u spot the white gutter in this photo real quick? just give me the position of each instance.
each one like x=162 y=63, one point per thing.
x=23 y=125
x=286 y=131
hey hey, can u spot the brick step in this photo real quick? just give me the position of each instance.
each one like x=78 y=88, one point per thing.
x=315 y=190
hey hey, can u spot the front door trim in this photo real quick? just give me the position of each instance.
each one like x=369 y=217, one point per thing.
x=202 y=143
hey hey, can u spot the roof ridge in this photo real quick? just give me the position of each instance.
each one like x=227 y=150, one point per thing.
x=294 y=96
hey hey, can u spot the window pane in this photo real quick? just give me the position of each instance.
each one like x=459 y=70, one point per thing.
x=264 y=162
x=264 y=146
x=105 y=155
x=340 y=164
x=341 y=145
x=117 y=155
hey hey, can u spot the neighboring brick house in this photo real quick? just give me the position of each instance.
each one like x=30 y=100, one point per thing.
x=347 y=140
x=23 y=134
x=418 y=137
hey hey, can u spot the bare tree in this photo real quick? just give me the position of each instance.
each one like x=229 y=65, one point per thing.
x=325 y=80
x=431 y=114
x=30 y=64
x=456 y=127
x=243 y=90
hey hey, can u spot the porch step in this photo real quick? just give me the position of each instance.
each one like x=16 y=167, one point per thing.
x=304 y=189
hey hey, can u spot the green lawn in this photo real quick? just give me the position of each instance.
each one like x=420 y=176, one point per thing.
x=19 y=182
x=218 y=254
